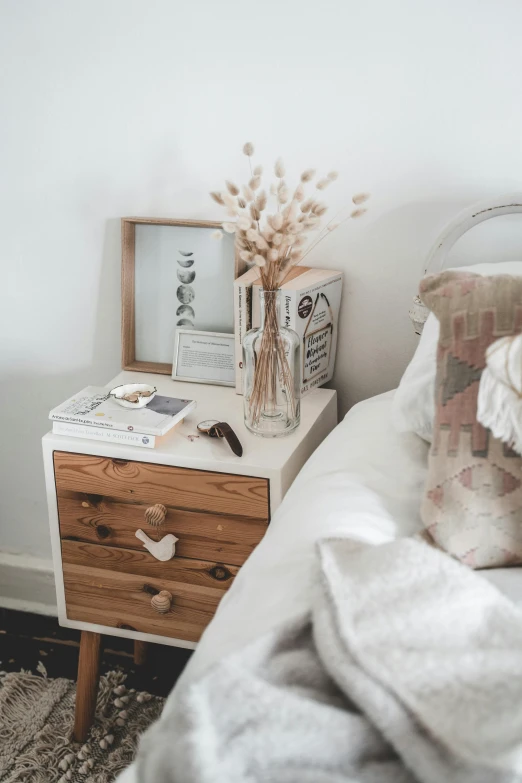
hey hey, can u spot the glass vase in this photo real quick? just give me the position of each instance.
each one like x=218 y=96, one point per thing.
x=271 y=373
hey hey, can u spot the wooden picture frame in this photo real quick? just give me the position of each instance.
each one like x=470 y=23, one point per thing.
x=128 y=289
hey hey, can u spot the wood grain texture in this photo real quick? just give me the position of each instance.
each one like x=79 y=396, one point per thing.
x=121 y=600
x=200 y=490
x=140 y=652
x=214 y=576
x=103 y=520
x=87 y=685
x=128 y=320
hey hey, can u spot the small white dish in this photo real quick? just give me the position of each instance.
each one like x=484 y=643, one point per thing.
x=119 y=392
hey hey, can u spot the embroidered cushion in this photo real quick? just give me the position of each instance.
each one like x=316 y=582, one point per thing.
x=472 y=506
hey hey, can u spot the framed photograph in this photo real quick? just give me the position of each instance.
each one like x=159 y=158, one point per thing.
x=174 y=275
x=204 y=357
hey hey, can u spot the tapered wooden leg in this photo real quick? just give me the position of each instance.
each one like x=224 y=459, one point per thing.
x=140 y=652
x=87 y=686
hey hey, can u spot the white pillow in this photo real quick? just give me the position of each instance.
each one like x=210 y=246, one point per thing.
x=413 y=408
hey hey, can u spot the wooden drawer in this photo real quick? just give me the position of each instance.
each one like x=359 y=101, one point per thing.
x=218 y=493
x=202 y=535
x=113 y=587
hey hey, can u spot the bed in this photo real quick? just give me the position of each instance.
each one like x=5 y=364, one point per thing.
x=364 y=482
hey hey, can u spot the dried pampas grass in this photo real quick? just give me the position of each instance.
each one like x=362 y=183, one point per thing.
x=360 y=198
x=307 y=175
x=277 y=238
x=279 y=168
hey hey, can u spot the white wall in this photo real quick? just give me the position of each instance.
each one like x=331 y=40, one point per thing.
x=138 y=107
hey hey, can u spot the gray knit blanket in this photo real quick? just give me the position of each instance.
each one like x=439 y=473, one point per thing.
x=408 y=668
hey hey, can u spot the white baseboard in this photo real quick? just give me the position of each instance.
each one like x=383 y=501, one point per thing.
x=27 y=584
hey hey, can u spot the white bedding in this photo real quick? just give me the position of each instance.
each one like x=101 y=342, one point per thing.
x=365 y=482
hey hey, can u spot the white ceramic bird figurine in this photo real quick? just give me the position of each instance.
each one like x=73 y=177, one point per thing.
x=161 y=550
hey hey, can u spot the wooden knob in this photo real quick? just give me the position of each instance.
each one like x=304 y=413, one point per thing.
x=161 y=602
x=155 y=515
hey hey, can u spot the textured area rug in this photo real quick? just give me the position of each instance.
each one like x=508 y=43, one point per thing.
x=36 y=723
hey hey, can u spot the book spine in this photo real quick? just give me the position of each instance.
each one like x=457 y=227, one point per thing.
x=74 y=430
x=102 y=425
x=243 y=322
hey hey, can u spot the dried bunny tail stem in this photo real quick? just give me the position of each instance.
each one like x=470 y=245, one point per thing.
x=277 y=239
x=241 y=202
x=299 y=193
x=272 y=255
x=248 y=193
x=230 y=228
x=218 y=198
x=255 y=237
x=307 y=205
x=332 y=175
x=282 y=194
x=360 y=198
x=229 y=200
x=276 y=221
x=307 y=175
x=232 y=188
x=267 y=232
x=323 y=183
x=254 y=183
x=258 y=171
x=261 y=199
x=279 y=168
x=259 y=260
x=319 y=209
x=357 y=213
x=248 y=149
x=256 y=214
x=217 y=235
x=246 y=255
x=244 y=222
x=273 y=189
x=293 y=212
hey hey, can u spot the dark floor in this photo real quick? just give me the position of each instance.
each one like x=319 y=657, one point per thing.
x=26 y=639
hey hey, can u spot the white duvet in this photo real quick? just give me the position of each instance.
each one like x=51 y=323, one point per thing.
x=364 y=482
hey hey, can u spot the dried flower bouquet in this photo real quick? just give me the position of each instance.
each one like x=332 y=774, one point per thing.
x=275 y=240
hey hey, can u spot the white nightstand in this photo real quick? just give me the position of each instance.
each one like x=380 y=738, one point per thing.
x=217 y=505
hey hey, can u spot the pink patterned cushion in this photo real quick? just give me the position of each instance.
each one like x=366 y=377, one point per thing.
x=473 y=502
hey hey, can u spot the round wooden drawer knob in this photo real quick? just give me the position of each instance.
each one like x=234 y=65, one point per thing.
x=161 y=602
x=155 y=515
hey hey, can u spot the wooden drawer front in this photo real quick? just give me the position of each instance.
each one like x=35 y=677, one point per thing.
x=97 y=519
x=200 y=490
x=117 y=592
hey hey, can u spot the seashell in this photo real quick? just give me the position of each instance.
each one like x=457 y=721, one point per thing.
x=69 y=774
x=120 y=722
x=161 y=602
x=64 y=765
x=119 y=690
x=109 y=738
x=103 y=744
x=155 y=515
x=118 y=703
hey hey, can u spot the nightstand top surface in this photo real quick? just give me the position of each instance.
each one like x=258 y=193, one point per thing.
x=261 y=456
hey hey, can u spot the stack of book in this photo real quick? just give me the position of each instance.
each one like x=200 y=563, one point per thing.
x=94 y=415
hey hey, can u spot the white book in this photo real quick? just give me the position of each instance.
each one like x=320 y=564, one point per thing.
x=95 y=408
x=242 y=318
x=109 y=436
x=310 y=304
